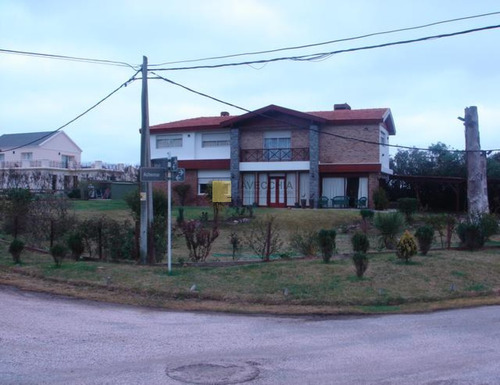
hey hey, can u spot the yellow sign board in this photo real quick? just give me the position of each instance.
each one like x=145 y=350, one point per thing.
x=221 y=191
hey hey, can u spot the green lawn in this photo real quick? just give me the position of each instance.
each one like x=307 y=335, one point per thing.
x=296 y=285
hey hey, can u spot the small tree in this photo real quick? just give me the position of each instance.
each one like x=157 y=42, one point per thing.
x=182 y=191
x=326 y=240
x=424 y=235
x=76 y=245
x=16 y=210
x=198 y=239
x=360 y=261
x=58 y=252
x=264 y=237
x=16 y=247
x=406 y=247
x=360 y=243
x=234 y=239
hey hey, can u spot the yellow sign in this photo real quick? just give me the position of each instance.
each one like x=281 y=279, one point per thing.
x=221 y=191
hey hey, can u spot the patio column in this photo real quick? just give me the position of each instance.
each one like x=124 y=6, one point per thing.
x=234 y=167
x=314 y=163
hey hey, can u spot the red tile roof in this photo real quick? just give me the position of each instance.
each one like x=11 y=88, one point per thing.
x=363 y=116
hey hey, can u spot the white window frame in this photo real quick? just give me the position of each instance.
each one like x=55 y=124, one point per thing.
x=207 y=176
x=26 y=156
x=281 y=141
x=168 y=140
x=219 y=139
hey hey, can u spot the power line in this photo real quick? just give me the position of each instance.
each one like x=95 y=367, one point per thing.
x=325 y=55
x=77 y=117
x=329 y=41
x=70 y=58
x=299 y=126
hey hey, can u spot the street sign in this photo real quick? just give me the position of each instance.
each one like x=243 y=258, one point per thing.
x=160 y=162
x=152 y=174
x=174 y=164
x=179 y=175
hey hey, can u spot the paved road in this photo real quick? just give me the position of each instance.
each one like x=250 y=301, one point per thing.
x=50 y=340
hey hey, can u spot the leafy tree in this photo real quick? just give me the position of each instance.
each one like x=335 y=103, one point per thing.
x=438 y=160
x=16 y=210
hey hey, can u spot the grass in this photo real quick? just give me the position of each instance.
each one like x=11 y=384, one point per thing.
x=443 y=278
x=387 y=287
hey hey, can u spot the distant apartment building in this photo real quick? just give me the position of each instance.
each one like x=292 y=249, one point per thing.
x=51 y=161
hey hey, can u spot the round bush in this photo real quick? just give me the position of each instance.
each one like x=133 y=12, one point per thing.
x=406 y=247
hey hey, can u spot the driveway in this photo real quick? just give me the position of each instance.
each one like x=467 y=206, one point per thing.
x=53 y=340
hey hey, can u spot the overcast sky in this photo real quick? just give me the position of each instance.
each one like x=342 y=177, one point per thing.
x=427 y=85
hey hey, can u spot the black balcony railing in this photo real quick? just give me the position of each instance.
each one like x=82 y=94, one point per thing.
x=274 y=155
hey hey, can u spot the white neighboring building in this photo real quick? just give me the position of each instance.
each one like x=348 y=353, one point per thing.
x=51 y=161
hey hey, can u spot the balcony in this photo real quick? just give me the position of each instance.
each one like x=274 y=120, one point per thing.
x=275 y=155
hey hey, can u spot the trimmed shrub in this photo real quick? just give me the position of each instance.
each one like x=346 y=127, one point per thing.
x=16 y=247
x=360 y=242
x=489 y=225
x=76 y=245
x=360 y=261
x=475 y=230
x=58 y=252
x=367 y=214
x=408 y=206
x=305 y=242
x=380 y=199
x=424 y=235
x=406 y=247
x=326 y=241
x=389 y=225
x=470 y=232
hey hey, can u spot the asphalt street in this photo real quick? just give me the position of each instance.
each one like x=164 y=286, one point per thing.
x=54 y=340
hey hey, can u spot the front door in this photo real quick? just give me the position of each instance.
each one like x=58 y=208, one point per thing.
x=277 y=191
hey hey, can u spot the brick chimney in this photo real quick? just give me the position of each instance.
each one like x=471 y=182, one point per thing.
x=224 y=113
x=343 y=106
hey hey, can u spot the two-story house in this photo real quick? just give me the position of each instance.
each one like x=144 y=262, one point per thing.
x=278 y=157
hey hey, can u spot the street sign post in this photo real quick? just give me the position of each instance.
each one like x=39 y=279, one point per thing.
x=167 y=169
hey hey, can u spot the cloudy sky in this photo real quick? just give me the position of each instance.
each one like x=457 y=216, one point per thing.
x=427 y=85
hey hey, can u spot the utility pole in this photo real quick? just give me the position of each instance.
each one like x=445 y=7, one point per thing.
x=477 y=183
x=145 y=162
